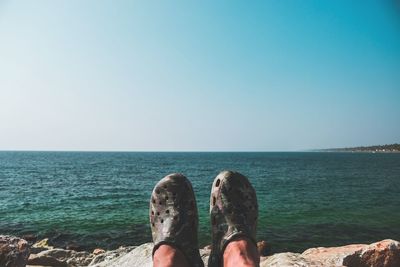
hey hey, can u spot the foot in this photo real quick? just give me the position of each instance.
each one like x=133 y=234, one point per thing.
x=174 y=219
x=234 y=213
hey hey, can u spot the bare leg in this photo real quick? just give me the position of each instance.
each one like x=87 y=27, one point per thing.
x=167 y=256
x=241 y=253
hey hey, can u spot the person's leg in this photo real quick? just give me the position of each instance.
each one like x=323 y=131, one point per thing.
x=241 y=253
x=167 y=256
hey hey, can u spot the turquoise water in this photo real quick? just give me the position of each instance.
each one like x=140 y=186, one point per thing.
x=101 y=199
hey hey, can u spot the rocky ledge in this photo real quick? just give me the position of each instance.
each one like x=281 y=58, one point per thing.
x=14 y=252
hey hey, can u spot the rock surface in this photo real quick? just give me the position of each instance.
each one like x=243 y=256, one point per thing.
x=98 y=251
x=333 y=256
x=385 y=253
x=14 y=252
x=41 y=245
x=140 y=256
x=286 y=259
x=61 y=257
x=109 y=256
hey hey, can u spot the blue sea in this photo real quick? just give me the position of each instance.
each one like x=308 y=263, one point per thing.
x=100 y=199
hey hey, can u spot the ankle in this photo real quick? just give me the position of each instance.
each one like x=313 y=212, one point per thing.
x=241 y=252
x=166 y=256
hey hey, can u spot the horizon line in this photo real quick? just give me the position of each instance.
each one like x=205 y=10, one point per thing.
x=160 y=151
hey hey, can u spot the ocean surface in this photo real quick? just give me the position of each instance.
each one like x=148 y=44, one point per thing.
x=96 y=199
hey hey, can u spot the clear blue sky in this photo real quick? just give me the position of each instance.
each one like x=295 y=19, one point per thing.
x=198 y=75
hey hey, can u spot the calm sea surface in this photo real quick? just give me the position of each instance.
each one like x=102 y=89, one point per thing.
x=99 y=199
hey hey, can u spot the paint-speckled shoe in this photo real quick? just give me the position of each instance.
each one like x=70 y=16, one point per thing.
x=173 y=217
x=234 y=213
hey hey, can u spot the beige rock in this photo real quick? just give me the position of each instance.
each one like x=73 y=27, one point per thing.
x=111 y=255
x=385 y=253
x=332 y=256
x=140 y=256
x=285 y=259
x=44 y=243
x=41 y=246
x=61 y=257
x=98 y=251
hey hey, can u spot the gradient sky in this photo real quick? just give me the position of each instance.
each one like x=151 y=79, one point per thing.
x=198 y=75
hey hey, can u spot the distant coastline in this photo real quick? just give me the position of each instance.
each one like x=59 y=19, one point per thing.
x=392 y=148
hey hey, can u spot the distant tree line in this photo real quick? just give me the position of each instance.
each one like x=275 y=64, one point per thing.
x=378 y=148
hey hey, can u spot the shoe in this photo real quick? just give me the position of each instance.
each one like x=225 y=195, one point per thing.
x=173 y=217
x=233 y=211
